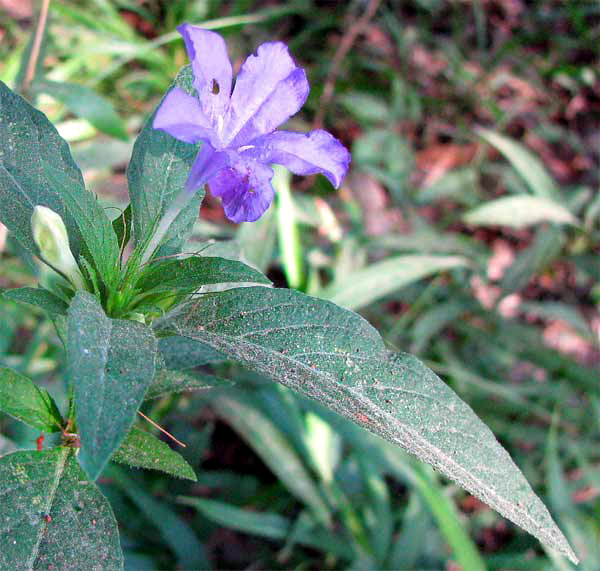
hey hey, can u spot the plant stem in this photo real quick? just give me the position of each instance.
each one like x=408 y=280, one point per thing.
x=37 y=44
x=164 y=225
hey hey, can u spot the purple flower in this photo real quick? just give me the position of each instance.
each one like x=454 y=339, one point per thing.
x=237 y=129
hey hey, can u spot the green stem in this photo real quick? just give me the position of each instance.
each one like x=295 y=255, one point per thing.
x=165 y=223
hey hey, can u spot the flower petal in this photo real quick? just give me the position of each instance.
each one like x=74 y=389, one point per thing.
x=268 y=90
x=245 y=190
x=310 y=153
x=207 y=163
x=212 y=70
x=181 y=116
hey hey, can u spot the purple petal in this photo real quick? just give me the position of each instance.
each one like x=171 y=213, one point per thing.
x=181 y=116
x=212 y=70
x=309 y=153
x=207 y=164
x=268 y=90
x=245 y=190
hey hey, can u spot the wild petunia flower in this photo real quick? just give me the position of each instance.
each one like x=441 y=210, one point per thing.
x=237 y=128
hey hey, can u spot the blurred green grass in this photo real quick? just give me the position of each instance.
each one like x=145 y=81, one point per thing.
x=450 y=109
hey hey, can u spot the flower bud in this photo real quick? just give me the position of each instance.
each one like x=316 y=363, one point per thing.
x=50 y=235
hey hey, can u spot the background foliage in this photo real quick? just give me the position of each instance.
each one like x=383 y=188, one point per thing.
x=467 y=233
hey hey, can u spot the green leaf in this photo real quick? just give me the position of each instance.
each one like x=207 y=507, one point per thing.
x=337 y=358
x=267 y=524
x=529 y=167
x=274 y=449
x=362 y=287
x=122 y=227
x=531 y=261
x=177 y=534
x=23 y=399
x=110 y=365
x=168 y=382
x=446 y=514
x=366 y=107
x=290 y=244
x=159 y=167
x=53 y=517
x=189 y=274
x=183 y=353
x=36 y=168
x=519 y=211
x=87 y=104
x=143 y=450
x=39 y=297
x=29 y=141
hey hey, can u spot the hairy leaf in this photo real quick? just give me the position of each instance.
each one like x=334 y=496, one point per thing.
x=52 y=517
x=22 y=398
x=191 y=273
x=185 y=353
x=157 y=173
x=42 y=298
x=122 y=227
x=337 y=358
x=143 y=450
x=36 y=168
x=168 y=382
x=110 y=365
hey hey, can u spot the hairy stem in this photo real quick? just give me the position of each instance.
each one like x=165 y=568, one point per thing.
x=164 y=225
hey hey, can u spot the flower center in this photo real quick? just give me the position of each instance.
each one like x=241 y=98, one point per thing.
x=215 y=87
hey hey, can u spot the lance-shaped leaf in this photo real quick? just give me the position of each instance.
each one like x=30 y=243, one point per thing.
x=189 y=274
x=53 y=517
x=87 y=104
x=143 y=450
x=519 y=211
x=110 y=364
x=184 y=353
x=364 y=286
x=274 y=449
x=529 y=167
x=36 y=168
x=337 y=358
x=157 y=173
x=24 y=400
x=169 y=382
x=42 y=298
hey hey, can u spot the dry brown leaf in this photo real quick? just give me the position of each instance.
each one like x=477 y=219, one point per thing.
x=435 y=161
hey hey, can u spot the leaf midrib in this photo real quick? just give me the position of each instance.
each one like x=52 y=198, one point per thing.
x=430 y=452
x=59 y=471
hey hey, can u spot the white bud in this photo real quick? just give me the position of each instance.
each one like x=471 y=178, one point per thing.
x=50 y=235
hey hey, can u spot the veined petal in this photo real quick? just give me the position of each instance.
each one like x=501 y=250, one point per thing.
x=212 y=70
x=245 y=190
x=310 y=153
x=208 y=162
x=181 y=116
x=268 y=90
